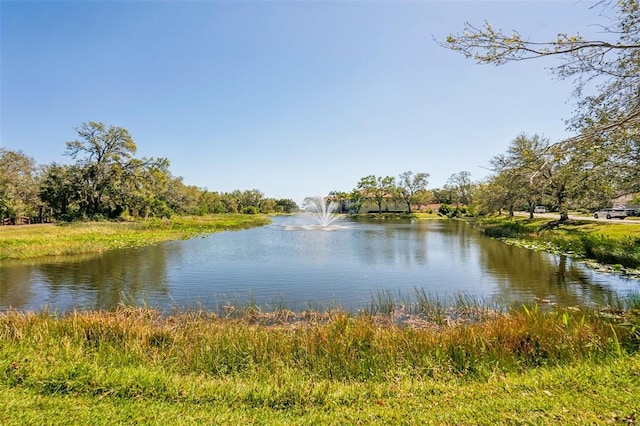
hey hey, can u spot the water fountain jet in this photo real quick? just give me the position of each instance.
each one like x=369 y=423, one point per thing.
x=321 y=210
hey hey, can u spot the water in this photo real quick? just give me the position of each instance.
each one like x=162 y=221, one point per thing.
x=320 y=210
x=290 y=263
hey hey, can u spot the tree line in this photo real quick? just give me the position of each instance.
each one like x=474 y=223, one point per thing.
x=533 y=171
x=108 y=181
x=587 y=171
x=405 y=193
x=602 y=161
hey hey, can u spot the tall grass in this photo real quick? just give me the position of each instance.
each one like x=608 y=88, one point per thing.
x=507 y=228
x=75 y=352
x=623 y=250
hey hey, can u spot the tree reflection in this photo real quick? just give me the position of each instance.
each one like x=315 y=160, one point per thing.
x=105 y=281
x=527 y=273
x=15 y=286
x=396 y=243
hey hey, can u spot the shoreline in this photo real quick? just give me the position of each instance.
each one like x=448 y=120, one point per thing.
x=42 y=241
x=605 y=247
x=528 y=365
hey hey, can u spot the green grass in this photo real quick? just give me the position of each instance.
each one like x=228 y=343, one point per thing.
x=608 y=243
x=432 y=215
x=32 y=241
x=584 y=393
x=136 y=366
x=401 y=361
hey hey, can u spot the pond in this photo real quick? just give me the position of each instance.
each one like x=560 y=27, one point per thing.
x=293 y=265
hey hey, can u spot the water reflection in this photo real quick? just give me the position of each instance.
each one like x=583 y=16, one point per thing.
x=88 y=282
x=527 y=274
x=15 y=286
x=301 y=266
x=395 y=243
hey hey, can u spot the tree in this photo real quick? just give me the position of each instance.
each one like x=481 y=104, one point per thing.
x=409 y=185
x=102 y=152
x=210 y=203
x=377 y=188
x=533 y=168
x=18 y=185
x=286 y=205
x=577 y=176
x=422 y=197
x=251 y=198
x=268 y=205
x=461 y=186
x=442 y=195
x=112 y=176
x=59 y=190
x=356 y=199
x=611 y=65
x=181 y=198
x=493 y=196
x=520 y=171
x=623 y=158
x=230 y=201
x=143 y=184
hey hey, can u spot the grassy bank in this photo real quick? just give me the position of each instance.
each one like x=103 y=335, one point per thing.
x=136 y=366
x=612 y=243
x=31 y=241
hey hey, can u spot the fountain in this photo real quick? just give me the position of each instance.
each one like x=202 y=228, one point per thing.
x=320 y=210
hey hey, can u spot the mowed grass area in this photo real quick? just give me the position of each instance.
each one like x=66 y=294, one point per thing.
x=32 y=241
x=585 y=393
x=613 y=243
x=530 y=366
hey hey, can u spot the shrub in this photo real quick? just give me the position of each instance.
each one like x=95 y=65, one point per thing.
x=250 y=210
x=444 y=209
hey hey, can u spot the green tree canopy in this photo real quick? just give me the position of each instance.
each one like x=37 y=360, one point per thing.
x=377 y=188
x=410 y=184
x=114 y=180
x=461 y=187
x=18 y=184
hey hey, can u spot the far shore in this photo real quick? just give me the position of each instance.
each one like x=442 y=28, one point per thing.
x=46 y=240
x=610 y=244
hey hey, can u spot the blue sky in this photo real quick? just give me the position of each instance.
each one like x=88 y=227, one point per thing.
x=294 y=98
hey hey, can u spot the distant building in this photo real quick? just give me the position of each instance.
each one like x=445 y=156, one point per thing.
x=626 y=202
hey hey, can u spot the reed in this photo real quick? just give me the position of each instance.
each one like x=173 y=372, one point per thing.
x=61 y=353
x=316 y=366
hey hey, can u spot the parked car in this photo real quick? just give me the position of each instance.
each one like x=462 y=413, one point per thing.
x=539 y=209
x=611 y=213
x=632 y=212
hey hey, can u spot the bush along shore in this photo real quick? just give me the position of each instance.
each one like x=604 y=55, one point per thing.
x=466 y=365
x=608 y=247
x=32 y=241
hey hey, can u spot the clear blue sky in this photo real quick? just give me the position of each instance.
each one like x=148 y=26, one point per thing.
x=294 y=98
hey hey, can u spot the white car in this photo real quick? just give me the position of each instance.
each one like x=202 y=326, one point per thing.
x=611 y=213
